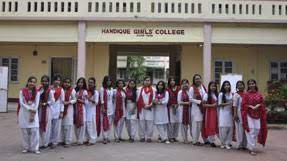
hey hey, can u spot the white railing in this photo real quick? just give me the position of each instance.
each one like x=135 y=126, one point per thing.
x=151 y=10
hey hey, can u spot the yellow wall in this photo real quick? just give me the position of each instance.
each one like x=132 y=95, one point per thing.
x=250 y=61
x=191 y=61
x=101 y=62
x=38 y=31
x=32 y=65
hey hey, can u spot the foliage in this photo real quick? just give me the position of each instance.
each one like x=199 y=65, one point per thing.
x=135 y=68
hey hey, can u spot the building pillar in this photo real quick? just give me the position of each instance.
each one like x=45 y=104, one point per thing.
x=81 y=56
x=207 y=36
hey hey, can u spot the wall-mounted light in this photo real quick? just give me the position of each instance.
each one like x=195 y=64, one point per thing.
x=35 y=51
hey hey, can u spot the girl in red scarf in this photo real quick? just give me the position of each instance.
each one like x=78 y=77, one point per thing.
x=145 y=97
x=254 y=117
x=161 y=111
x=28 y=116
x=68 y=114
x=184 y=107
x=173 y=112
x=197 y=91
x=237 y=100
x=80 y=111
x=46 y=100
x=57 y=110
x=107 y=108
x=120 y=110
x=131 y=114
x=210 y=103
x=93 y=100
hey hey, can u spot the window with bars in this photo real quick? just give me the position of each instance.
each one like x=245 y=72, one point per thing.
x=222 y=67
x=159 y=73
x=278 y=70
x=13 y=65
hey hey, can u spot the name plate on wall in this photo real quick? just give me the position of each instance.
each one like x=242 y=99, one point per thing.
x=143 y=32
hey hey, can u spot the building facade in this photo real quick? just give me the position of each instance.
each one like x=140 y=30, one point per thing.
x=84 y=37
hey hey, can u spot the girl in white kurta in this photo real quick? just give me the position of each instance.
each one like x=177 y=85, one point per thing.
x=145 y=97
x=161 y=111
x=225 y=99
x=28 y=116
x=173 y=115
x=57 y=111
x=120 y=110
x=80 y=110
x=107 y=108
x=93 y=100
x=197 y=91
x=68 y=114
x=46 y=101
x=237 y=100
x=183 y=99
x=131 y=110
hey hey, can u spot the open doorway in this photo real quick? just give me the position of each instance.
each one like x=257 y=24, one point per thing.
x=158 y=61
x=62 y=66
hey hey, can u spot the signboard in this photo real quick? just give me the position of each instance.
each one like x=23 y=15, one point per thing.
x=144 y=32
x=232 y=78
x=3 y=89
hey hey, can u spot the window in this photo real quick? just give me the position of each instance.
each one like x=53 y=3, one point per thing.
x=222 y=67
x=12 y=64
x=121 y=73
x=159 y=73
x=278 y=71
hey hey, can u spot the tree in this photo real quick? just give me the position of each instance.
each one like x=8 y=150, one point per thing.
x=135 y=68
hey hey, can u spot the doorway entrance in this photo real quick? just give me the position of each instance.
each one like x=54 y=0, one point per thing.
x=160 y=61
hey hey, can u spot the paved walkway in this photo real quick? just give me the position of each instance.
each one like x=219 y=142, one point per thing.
x=10 y=149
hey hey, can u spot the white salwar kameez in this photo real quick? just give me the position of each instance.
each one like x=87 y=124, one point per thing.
x=30 y=130
x=45 y=135
x=91 y=126
x=131 y=118
x=240 y=134
x=196 y=114
x=173 y=126
x=80 y=131
x=68 y=120
x=146 y=116
x=184 y=128
x=56 y=109
x=251 y=136
x=110 y=111
x=225 y=120
x=161 y=116
x=119 y=127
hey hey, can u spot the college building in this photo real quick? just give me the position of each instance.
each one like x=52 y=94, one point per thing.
x=78 y=38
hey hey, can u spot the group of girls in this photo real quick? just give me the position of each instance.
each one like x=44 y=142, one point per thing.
x=48 y=115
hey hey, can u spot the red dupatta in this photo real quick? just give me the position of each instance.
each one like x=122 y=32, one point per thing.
x=211 y=125
x=27 y=97
x=202 y=109
x=57 y=93
x=68 y=93
x=98 y=117
x=253 y=98
x=172 y=99
x=140 y=102
x=79 y=113
x=43 y=120
x=119 y=106
x=105 y=122
x=185 y=110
